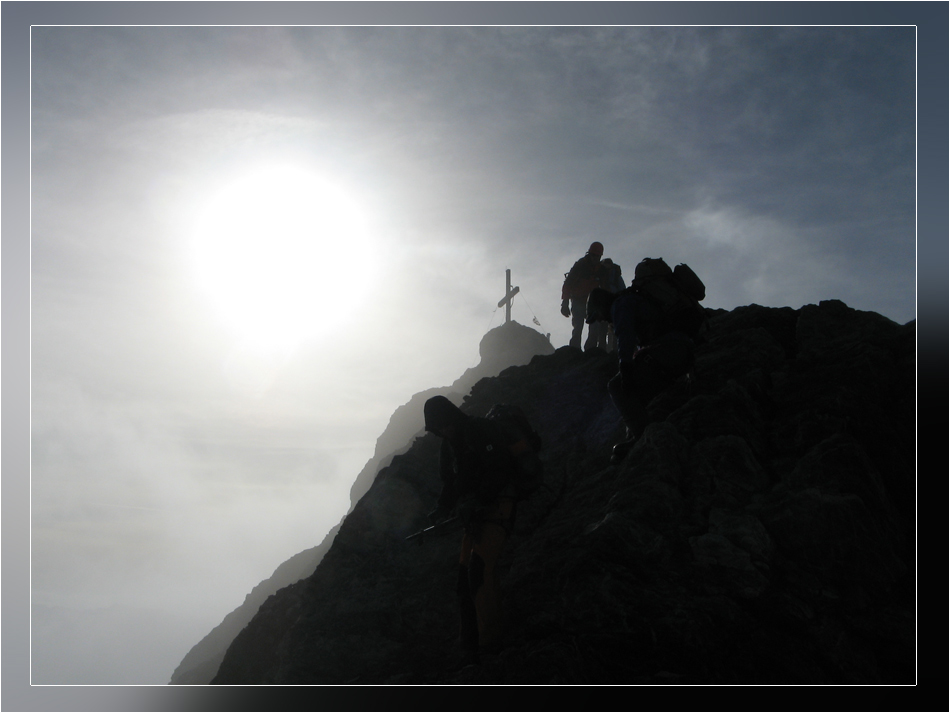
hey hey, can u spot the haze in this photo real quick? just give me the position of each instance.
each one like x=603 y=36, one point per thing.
x=250 y=245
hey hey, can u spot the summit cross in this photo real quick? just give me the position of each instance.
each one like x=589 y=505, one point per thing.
x=510 y=293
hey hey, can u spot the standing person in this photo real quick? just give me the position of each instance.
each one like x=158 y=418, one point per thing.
x=586 y=274
x=614 y=284
x=480 y=465
x=657 y=320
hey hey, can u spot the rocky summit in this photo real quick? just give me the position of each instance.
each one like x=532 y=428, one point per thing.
x=762 y=531
x=510 y=344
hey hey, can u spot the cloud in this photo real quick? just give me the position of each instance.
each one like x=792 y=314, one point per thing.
x=126 y=495
x=777 y=162
x=754 y=258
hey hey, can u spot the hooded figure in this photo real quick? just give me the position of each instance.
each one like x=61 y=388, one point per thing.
x=474 y=467
x=587 y=274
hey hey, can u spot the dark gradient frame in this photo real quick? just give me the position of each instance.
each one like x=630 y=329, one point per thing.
x=931 y=21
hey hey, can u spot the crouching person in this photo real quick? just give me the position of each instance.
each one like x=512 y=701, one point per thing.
x=475 y=483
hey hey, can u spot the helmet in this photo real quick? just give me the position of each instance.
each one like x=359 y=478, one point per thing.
x=595 y=249
x=599 y=302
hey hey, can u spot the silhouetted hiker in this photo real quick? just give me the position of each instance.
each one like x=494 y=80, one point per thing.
x=586 y=274
x=484 y=465
x=614 y=283
x=656 y=321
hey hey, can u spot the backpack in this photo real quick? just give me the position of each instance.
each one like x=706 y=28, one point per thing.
x=583 y=278
x=509 y=456
x=676 y=292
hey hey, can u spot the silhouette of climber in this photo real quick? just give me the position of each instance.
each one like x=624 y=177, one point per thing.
x=656 y=323
x=586 y=274
x=485 y=501
x=614 y=283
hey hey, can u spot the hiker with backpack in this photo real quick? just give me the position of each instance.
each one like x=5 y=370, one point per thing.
x=657 y=321
x=486 y=466
x=586 y=274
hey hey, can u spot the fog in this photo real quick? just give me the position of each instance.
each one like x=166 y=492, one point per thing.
x=190 y=434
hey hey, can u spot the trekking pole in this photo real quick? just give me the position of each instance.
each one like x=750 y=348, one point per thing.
x=436 y=529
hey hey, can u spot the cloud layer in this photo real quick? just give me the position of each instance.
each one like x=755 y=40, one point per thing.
x=778 y=162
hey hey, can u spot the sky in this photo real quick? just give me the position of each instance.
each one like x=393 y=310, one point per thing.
x=249 y=245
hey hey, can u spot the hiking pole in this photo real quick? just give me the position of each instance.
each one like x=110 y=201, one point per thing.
x=436 y=529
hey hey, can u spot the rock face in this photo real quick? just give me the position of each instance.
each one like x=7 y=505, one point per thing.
x=201 y=663
x=761 y=531
x=510 y=344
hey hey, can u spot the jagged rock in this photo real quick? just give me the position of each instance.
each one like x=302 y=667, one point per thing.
x=760 y=532
x=831 y=327
x=508 y=345
x=201 y=662
x=511 y=344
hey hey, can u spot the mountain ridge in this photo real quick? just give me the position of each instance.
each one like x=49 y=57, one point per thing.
x=761 y=531
x=507 y=345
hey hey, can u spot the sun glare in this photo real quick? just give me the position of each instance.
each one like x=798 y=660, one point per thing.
x=283 y=253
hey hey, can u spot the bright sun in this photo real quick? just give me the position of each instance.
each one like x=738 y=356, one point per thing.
x=284 y=255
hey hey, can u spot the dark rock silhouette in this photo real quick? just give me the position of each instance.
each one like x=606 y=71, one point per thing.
x=510 y=344
x=201 y=663
x=761 y=531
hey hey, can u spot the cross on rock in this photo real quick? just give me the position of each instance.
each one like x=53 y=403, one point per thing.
x=510 y=293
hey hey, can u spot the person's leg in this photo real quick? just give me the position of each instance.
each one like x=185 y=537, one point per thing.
x=483 y=571
x=625 y=400
x=468 y=619
x=631 y=390
x=596 y=336
x=611 y=339
x=578 y=315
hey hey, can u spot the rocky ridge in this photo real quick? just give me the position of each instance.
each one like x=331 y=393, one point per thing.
x=508 y=345
x=762 y=530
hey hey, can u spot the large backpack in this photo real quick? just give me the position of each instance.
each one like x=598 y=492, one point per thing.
x=508 y=454
x=676 y=292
